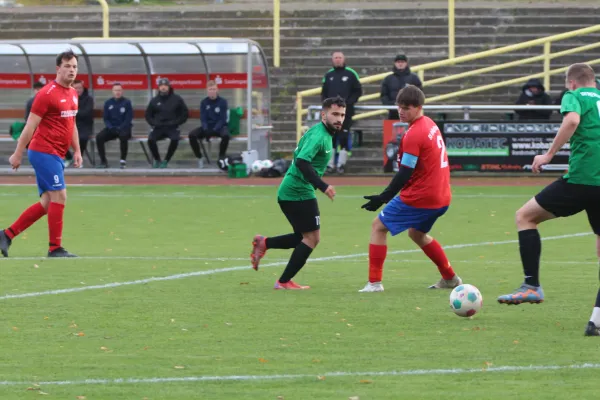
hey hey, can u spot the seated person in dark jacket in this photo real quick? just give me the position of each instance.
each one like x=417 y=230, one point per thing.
x=165 y=114
x=213 y=116
x=36 y=88
x=84 y=119
x=118 y=120
x=534 y=94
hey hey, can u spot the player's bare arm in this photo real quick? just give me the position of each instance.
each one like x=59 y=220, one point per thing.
x=77 y=158
x=32 y=123
x=565 y=132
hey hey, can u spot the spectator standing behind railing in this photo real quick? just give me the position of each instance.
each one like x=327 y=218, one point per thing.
x=400 y=78
x=534 y=94
x=344 y=82
x=165 y=114
x=118 y=121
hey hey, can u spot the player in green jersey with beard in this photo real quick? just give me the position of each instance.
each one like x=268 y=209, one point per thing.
x=296 y=194
x=576 y=191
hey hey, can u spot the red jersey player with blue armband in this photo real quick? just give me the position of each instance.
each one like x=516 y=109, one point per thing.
x=423 y=184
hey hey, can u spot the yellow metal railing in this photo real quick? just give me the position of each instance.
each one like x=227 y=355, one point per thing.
x=546 y=57
x=105 y=18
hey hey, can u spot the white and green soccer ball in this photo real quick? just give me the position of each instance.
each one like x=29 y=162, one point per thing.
x=256 y=166
x=466 y=300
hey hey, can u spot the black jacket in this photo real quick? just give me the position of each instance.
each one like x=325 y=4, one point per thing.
x=540 y=99
x=393 y=83
x=85 y=115
x=167 y=111
x=28 y=107
x=343 y=82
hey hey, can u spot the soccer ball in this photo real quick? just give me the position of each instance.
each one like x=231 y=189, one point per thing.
x=256 y=166
x=466 y=300
x=267 y=164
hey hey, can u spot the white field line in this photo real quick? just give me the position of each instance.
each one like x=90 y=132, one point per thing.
x=337 y=374
x=233 y=197
x=246 y=267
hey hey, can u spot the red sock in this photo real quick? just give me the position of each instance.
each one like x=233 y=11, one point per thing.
x=377 y=253
x=55 y=225
x=435 y=252
x=25 y=220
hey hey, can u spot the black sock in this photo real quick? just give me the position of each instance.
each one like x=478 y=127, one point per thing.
x=530 y=247
x=289 y=241
x=297 y=261
x=597 y=299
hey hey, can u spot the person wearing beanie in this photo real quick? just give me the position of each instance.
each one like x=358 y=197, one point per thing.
x=166 y=112
x=399 y=79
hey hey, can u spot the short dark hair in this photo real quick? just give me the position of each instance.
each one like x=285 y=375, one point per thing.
x=333 y=101
x=581 y=73
x=410 y=96
x=38 y=85
x=65 y=56
x=117 y=84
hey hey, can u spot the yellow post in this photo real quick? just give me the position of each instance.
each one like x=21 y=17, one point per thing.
x=105 y=22
x=276 y=33
x=421 y=75
x=451 y=29
x=547 y=66
x=298 y=117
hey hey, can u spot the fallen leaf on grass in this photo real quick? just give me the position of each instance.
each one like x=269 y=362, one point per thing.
x=35 y=266
x=280 y=398
x=80 y=334
x=42 y=392
x=316 y=360
x=14 y=328
x=488 y=364
x=321 y=378
x=46 y=317
x=244 y=283
x=81 y=397
x=33 y=388
x=262 y=360
x=515 y=342
x=366 y=381
x=353 y=398
x=179 y=367
x=103 y=348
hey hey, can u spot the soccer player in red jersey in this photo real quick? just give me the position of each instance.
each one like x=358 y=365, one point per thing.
x=49 y=132
x=423 y=180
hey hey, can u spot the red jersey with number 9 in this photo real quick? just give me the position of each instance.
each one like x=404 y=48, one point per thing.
x=429 y=185
x=57 y=106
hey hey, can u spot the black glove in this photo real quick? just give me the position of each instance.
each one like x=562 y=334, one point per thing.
x=374 y=203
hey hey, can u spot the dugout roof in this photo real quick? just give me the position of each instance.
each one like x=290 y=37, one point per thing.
x=239 y=67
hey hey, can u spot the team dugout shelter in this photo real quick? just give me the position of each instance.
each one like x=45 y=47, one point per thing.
x=238 y=66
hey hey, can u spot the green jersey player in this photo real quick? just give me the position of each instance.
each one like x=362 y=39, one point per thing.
x=578 y=190
x=296 y=194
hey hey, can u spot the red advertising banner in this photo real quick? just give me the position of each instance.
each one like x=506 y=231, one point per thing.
x=181 y=81
x=15 y=81
x=239 y=80
x=391 y=140
x=46 y=78
x=129 y=81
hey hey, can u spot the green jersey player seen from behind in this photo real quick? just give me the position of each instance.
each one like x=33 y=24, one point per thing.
x=316 y=148
x=584 y=161
x=577 y=191
x=296 y=195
